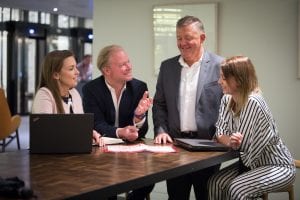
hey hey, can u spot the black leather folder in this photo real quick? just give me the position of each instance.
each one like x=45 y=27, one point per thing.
x=200 y=145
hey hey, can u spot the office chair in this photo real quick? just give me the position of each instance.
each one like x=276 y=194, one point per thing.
x=289 y=188
x=8 y=124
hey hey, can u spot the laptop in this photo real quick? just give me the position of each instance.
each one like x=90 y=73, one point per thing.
x=200 y=145
x=60 y=133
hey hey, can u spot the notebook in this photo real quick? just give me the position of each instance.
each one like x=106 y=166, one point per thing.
x=200 y=145
x=61 y=133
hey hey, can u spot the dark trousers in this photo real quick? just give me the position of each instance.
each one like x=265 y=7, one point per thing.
x=179 y=188
x=138 y=194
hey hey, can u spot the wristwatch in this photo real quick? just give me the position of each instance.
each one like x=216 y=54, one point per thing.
x=140 y=116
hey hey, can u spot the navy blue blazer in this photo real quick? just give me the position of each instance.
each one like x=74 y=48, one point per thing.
x=97 y=99
x=165 y=110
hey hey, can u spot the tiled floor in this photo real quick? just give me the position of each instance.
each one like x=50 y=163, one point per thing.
x=159 y=192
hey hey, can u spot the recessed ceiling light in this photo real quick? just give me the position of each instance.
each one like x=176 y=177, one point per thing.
x=55 y=9
x=90 y=36
x=31 y=31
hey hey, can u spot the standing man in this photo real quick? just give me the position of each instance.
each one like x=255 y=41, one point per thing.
x=85 y=69
x=187 y=101
x=119 y=102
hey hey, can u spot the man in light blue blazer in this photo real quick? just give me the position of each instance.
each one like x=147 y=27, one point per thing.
x=187 y=100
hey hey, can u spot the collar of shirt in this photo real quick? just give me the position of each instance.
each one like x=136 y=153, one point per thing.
x=184 y=64
x=115 y=101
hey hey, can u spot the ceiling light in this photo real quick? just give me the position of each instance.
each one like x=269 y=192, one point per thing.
x=31 y=31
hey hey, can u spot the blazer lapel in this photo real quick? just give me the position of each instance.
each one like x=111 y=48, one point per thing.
x=177 y=77
x=125 y=103
x=106 y=94
x=202 y=75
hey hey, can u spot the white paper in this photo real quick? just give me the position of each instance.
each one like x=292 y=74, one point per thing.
x=141 y=148
x=109 y=140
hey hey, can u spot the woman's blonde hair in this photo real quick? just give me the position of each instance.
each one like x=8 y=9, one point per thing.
x=241 y=69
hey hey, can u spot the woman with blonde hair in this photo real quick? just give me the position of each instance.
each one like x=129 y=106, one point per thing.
x=246 y=124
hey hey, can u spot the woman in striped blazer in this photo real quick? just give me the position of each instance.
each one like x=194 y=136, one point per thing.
x=246 y=124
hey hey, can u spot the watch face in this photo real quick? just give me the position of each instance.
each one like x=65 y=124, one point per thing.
x=140 y=116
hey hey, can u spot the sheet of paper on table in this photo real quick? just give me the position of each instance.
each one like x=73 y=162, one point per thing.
x=109 y=140
x=141 y=148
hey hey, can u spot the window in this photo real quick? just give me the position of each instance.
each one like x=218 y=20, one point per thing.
x=164 y=28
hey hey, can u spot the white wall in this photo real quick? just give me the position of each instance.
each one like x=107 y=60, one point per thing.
x=264 y=30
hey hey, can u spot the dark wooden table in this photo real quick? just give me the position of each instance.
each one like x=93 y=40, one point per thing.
x=99 y=175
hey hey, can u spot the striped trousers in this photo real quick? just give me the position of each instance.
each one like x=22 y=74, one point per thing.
x=228 y=184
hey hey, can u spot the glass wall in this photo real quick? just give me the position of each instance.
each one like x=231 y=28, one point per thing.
x=25 y=38
x=3 y=59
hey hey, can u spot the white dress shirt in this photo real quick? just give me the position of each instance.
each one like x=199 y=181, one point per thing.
x=117 y=105
x=188 y=94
